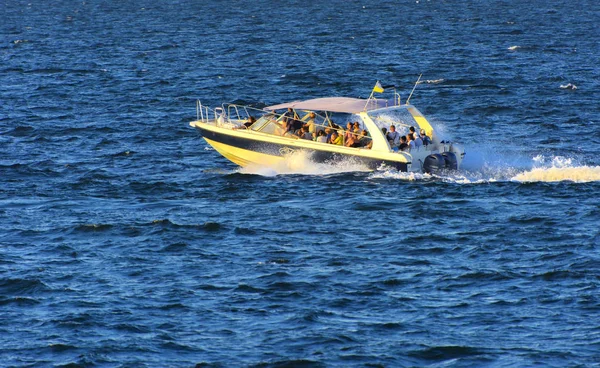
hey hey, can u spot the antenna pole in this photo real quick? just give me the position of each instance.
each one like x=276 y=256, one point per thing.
x=411 y=92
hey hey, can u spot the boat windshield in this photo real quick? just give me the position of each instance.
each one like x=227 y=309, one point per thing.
x=399 y=116
x=267 y=124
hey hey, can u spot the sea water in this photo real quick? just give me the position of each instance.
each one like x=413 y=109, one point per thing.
x=126 y=241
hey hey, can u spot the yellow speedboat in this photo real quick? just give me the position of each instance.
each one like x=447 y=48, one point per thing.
x=248 y=136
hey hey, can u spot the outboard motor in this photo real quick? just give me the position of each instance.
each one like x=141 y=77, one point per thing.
x=434 y=163
x=451 y=161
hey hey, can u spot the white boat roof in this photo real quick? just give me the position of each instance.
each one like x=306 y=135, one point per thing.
x=335 y=104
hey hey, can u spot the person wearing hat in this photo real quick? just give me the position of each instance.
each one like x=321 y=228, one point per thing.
x=418 y=141
x=310 y=124
x=425 y=138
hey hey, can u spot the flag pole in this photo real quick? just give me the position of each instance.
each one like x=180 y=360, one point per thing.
x=371 y=95
x=411 y=92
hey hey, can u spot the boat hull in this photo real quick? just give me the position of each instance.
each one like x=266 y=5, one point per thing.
x=246 y=148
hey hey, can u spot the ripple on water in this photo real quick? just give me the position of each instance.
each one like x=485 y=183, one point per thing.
x=125 y=240
x=20 y=287
x=448 y=353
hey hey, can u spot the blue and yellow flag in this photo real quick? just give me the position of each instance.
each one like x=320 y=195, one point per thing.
x=378 y=88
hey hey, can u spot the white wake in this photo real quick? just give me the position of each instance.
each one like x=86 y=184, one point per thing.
x=300 y=162
x=478 y=167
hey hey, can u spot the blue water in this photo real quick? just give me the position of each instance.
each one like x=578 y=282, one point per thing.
x=125 y=241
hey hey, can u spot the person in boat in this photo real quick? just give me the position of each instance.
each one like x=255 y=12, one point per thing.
x=364 y=140
x=416 y=137
x=357 y=137
x=356 y=125
x=418 y=141
x=384 y=132
x=331 y=137
x=351 y=141
x=299 y=133
x=328 y=132
x=425 y=138
x=321 y=137
x=287 y=127
x=292 y=120
x=251 y=120
x=403 y=145
x=336 y=139
x=348 y=133
x=305 y=134
x=290 y=113
x=410 y=142
x=393 y=137
x=297 y=124
x=310 y=123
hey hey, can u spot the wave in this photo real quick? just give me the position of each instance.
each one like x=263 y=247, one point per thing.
x=568 y=86
x=484 y=166
x=558 y=169
x=300 y=162
x=394 y=174
x=527 y=170
x=482 y=169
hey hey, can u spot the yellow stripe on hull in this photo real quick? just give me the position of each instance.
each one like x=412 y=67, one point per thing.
x=243 y=157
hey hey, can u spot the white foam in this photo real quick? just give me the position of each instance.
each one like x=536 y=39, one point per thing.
x=484 y=167
x=526 y=170
x=580 y=174
x=568 y=86
x=558 y=168
x=397 y=175
x=513 y=48
x=300 y=162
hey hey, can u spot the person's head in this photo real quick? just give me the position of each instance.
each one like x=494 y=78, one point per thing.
x=412 y=129
x=409 y=137
x=356 y=124
x=403 y=139
x=321 y=133
x=312 y=115
x=384 y=130
x=349 y=125
x=365 y=133
x=392 y=128
x=422 y=132
x=304 y=129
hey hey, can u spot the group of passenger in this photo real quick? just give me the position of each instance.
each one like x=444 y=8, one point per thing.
x=352 y=136
x=408 y=142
